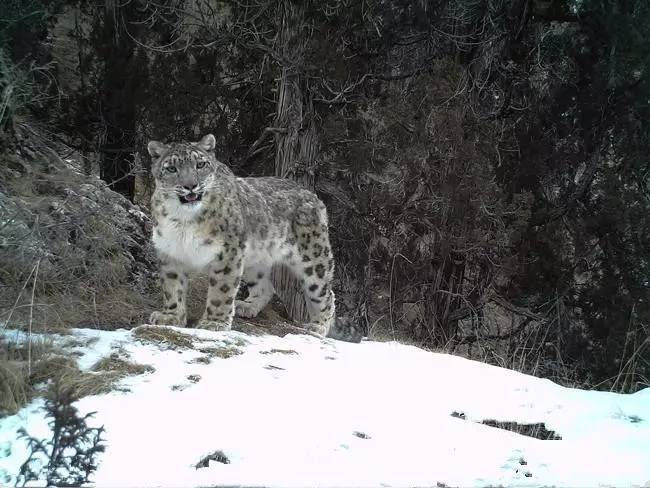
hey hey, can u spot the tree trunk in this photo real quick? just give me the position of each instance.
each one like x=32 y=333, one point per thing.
x=296 y=146
x=118 y=99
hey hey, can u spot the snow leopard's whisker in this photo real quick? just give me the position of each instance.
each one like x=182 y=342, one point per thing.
x=210 y=185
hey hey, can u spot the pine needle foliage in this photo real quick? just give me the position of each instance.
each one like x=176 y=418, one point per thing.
x=69 y=458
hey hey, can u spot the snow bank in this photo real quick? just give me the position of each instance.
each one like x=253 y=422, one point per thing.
x=300 y=411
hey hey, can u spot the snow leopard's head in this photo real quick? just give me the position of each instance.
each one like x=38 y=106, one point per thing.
x=185 y=169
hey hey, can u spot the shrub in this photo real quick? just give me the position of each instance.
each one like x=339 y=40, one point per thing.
x=69 y=458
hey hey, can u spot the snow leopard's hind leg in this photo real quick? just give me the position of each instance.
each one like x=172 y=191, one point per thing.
x=260 y=291
x=316 y=268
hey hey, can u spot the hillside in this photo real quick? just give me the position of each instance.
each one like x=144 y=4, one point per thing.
x=484 y=164
x=301 y=411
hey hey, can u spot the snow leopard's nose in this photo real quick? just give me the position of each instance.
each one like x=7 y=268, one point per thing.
x=191 y=188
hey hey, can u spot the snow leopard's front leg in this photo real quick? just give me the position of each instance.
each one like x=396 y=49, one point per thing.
x=224 y=276
x=174 y=285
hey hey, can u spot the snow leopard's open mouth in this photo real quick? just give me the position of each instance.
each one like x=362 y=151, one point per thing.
x=190 y=197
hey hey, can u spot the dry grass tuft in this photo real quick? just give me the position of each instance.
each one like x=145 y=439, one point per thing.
x=19 y=365
x=53 y=367
x=122 y=367
x=64 y=372
x=260 y=327
x=81 y=384
x=200 y=360
x=279 y=351
x=239 y=342
x=223 y=352
x=163 y=337
x=14 y=386
x=33 y=348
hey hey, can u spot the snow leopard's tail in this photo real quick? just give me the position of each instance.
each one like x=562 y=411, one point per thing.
x=345 y=330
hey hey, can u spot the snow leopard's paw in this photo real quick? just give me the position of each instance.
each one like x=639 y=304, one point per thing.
x=245 y=309
x=167 y=318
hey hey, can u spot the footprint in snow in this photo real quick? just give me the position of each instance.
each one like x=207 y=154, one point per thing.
x=361 y=435
x=518 y=464
x=273 y=368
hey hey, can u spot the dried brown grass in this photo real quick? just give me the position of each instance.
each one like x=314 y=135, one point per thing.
x=64 y=372
x=14 y=386
x=121 y=367
x=26 y=366
x=222 y=352
x=96 y=266
x=163 y=337
x=18 y=364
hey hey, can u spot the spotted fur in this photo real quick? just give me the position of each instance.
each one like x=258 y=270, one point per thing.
x=234 y=229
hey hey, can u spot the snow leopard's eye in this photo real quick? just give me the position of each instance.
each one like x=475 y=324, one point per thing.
x=171 y=169
x=200 y=164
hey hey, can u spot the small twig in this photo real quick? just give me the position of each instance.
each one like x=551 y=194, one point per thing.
x=265 y=133
x=31 y=317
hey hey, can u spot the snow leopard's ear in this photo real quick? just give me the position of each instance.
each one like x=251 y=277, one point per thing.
x=156 y=149
x=208 y=143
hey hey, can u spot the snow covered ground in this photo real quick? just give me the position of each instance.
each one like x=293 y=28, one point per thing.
x=300 y=411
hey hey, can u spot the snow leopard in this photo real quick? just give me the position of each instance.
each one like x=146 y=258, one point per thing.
x=207 y=220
